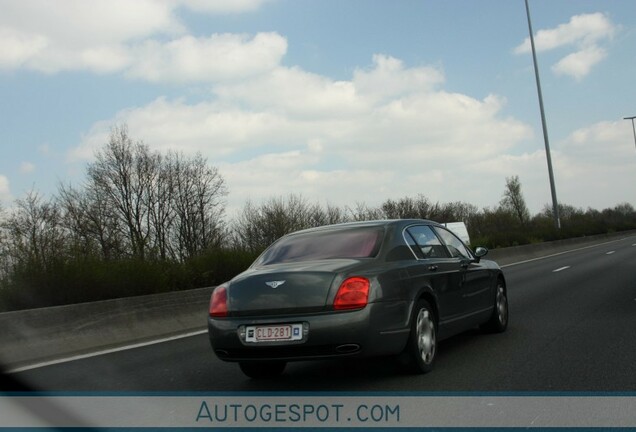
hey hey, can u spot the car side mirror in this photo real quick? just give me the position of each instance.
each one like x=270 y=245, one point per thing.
x=480 y=252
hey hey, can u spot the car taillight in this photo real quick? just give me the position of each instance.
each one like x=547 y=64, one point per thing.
x=218 y=302
x=352 y=294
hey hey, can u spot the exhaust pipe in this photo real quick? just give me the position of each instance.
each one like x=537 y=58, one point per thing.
x=347 y=348
x=221 y=353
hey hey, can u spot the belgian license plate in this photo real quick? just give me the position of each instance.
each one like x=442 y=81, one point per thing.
x=271 y=333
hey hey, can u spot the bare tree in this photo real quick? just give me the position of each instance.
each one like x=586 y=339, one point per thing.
x=363 y=212
x=260 y=225
x=625 y=209
x=408 y=208
x=167 y=207
x=329 y=215
x=463 y=211
x=159 y=204
x=35 y=237
x=124 y=174
x=567 y=212
x=513 y=200
x=90 y=221
x=198 y=192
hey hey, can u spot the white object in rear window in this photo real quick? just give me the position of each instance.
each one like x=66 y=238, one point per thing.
x=460 y=230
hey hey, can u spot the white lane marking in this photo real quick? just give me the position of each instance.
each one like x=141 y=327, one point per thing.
x=108 y=351
x=560 y=269
x=563 y=253
x=609 y=253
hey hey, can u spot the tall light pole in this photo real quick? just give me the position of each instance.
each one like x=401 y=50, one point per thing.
x=555 y=205
x=633 y=127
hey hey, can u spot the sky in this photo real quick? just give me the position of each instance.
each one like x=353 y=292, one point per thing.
x=340 y=101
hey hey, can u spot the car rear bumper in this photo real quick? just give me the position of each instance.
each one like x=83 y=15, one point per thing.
x=378 y=329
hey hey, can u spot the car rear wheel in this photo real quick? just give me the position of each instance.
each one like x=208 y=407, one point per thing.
x=422 y=346
x=498 y=322
x=262 y=369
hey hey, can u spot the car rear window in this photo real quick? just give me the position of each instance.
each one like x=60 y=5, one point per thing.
x=341 y=243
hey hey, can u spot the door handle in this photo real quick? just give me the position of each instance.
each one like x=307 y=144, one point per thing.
x=432 y=268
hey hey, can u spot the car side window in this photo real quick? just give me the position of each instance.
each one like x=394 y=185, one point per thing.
x=427 y=244
x=455 y=246
x=414 y=247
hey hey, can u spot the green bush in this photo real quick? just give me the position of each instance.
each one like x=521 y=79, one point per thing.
x=91 y=279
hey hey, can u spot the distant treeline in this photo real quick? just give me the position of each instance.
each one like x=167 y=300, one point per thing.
x=146 y=222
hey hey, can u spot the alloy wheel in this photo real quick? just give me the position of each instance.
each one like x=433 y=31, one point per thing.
x=426 y=336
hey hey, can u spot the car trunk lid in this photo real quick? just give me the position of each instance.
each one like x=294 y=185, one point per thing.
x=285 y=288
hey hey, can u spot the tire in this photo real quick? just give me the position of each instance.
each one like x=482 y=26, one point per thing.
x=262 y=369
x=419 y=354
x=498 y=321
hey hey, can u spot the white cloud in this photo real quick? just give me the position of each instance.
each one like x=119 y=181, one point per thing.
x=78 y=35
x=289 y=130
x=104 y=59
x=597 y=161
x=301 y=94
x=218 y=57
x=17 y=48
x=223 y=6
x=379 y=82
x=27 y=167
x=592 y=167
x=294 y=92
x=583 y=32
x=390 y=130
x=87 y=23
x=142 y=38
x=579 y=64
x=298 y=172
x=607 y=142
x=585 y=29
x=215 y=130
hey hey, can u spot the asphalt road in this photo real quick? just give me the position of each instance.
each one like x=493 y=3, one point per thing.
x=572 y=328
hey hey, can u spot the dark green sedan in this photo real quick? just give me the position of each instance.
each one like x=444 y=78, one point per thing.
x=392 y=287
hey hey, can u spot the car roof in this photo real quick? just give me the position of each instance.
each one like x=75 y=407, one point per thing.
x=356 y=224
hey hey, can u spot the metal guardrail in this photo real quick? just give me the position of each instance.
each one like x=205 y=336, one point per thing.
x=37 y=335
x=509 y=255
